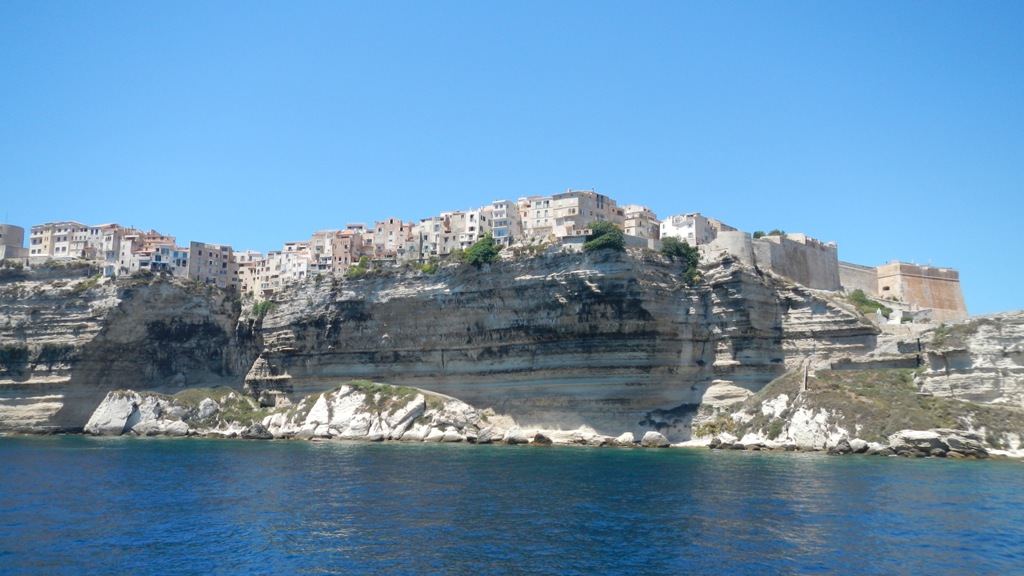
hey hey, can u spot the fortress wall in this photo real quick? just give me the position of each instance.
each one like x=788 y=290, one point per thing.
x=799 y=258
x=734 y=243
x=854 y=276
x=925 y=286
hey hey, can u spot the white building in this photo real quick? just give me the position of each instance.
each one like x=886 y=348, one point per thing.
x=506 y=223
x=693 y=228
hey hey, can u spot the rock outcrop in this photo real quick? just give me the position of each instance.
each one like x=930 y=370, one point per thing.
x=606 y=340
x=67 y=339
x=609 y=341
x=938 y=443
x=980 y=359
x=354 y=411
x=867 y=411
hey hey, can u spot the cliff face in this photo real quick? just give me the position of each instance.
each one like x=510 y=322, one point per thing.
x=66 y=341
x=611 y=341
x=979 y=360
x=601 y=339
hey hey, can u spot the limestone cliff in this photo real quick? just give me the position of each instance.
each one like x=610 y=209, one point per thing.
x=67 y=339
x=980 y=359
x=611 y=341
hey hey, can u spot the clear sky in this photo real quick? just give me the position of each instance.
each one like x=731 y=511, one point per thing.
x=895 y=129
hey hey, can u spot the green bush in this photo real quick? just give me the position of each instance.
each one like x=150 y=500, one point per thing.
x=483 y=251
x=53 y=353
x=360 y=269
x=689 y=255
x=261 y=309
x=605 y=236
x=866 y=305
x=12 y=355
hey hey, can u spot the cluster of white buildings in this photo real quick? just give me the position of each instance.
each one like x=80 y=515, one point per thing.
x=557 y=219
x=560 y=218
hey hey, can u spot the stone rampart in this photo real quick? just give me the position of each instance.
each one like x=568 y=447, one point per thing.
x=733 y=243
x=856 y=277
x=804 y=260
x=923 y=286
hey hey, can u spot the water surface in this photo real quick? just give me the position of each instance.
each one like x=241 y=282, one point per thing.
x=81 y=505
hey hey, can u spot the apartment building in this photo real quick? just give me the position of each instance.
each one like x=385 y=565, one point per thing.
x=537 y=216
x=575 y=210
x=213 y=264
x=55 y=239
x=506 y=223
x=390 y=238
x=641 y=222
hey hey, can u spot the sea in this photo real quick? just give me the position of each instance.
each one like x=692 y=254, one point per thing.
x=83 y=505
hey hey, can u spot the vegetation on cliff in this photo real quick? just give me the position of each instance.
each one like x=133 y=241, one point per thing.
x=866 y=305
x=683 y=252
x=605 y=236
x=872 y=405
x=483 y=251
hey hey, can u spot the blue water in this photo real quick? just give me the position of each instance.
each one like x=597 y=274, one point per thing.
x=80 y=505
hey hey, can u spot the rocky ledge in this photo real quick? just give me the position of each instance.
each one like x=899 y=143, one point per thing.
x=358 y=410
x=935 y=443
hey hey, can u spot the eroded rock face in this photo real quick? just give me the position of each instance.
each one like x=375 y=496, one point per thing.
x=129 y=412
x=980 y=360
x=352 y=412
x=603 y=340
x=68 y=339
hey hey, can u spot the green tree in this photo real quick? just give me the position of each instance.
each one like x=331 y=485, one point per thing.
x=359 y=269
x=688 y=255
x=483 y=251
x=605 y=236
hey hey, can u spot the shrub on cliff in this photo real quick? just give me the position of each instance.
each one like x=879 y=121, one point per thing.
x=866 y=305
x=605 y=236
x=260 y=309
x=689 y=255
x=360 y=269
x=483 y=251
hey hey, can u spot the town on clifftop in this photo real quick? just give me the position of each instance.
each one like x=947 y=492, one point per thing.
x=559 y=222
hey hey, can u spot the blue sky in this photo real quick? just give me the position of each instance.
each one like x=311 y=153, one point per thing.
x=895 y=129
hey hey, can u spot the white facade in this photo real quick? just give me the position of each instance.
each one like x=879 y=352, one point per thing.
x=506 y=223
x=694 y=228
x=537 y=216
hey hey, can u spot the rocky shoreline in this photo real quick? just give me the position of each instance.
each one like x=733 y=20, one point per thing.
x=935 y=443
x=364 y=411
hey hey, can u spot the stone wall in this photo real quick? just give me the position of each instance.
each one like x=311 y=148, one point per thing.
x=734 y=243
x=925 y=287
x=804 y=260
x=856 y=277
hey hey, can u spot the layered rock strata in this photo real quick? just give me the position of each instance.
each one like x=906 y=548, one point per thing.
x=603 y=340
x=65 y=341
x=980 y=359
